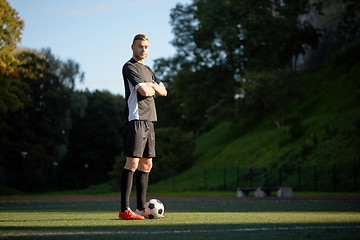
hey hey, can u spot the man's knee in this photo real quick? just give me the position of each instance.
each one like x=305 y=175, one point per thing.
x=145 y=164
x=131 y=163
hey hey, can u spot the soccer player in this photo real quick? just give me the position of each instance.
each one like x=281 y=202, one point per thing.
x=140 y=114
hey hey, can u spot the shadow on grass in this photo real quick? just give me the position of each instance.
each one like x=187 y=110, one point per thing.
x=205 y=231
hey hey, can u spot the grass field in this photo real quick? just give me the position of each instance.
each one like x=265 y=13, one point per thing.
x=185 y=218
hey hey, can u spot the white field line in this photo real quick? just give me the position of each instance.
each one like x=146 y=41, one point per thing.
x=179 y=231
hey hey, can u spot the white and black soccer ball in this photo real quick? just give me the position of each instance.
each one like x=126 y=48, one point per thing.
x=154 y=209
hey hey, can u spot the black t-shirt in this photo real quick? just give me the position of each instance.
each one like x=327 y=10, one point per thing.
x=137 y=106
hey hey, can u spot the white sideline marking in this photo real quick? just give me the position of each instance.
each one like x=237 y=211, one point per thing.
x=177 y=232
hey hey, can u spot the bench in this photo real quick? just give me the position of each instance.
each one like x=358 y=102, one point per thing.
x=264 y=191
x=244 y=191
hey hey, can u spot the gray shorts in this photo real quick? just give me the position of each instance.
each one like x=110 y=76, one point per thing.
x=139 y=139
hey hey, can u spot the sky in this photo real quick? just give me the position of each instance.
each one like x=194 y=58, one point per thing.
x=97 y=34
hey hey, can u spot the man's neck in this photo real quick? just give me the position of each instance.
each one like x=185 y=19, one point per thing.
x=138 y=60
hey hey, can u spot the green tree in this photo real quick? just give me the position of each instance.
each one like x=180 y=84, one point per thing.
x=11 y=27
x=199 y=92
x=242 y=34
x=40 y=127
x=269 y=91
x=169 y=114
x=218 y=41
x=96 y=135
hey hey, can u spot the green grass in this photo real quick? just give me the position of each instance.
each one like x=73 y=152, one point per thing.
x=185 y=218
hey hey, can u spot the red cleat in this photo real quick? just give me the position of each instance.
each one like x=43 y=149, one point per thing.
x=130 y=215
x=141 y=213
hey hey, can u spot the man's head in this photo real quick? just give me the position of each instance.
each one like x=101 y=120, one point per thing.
x=140 y=47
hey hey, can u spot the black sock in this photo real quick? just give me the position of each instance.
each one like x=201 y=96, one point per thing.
x=126 y=185
x=142 y=179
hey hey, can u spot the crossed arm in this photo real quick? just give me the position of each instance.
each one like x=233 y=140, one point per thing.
x=151 y=89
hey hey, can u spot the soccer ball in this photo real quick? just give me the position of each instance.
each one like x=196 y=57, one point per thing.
x=154 y=209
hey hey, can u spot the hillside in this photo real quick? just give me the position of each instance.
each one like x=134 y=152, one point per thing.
x=318 y=149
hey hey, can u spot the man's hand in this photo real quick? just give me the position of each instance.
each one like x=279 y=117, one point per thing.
x=159 y=89
x=150 y=89
x=146 y=90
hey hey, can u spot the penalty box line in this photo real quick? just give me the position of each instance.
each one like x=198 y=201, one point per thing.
x=179 y=231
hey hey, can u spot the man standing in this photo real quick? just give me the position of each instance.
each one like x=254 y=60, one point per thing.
x=140 y=114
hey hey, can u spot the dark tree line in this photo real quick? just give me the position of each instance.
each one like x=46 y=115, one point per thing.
x=54 y=137
x=234 y=59
x=57 y=129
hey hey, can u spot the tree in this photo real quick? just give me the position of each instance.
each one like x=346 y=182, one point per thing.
x=68 y=72
x=10 y=33
x=96 y=135
x=169 y=114
x=348 y=27
x=218 y=41
x=269 y=91
x=338 y=22
x=12 y=95
x=198 y=92
x=41 y=127
x=254 y=35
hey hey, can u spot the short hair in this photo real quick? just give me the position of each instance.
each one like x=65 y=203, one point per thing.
x=141 y=37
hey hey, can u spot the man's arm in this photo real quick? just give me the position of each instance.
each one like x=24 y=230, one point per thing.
x=149 y=89
x=157 y=85
x=146 y=90
x=159 y=89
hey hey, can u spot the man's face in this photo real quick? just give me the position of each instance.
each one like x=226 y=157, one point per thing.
x=140 y=50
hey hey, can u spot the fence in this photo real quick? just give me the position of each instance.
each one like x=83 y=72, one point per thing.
x=325 y=178
x=43 y=182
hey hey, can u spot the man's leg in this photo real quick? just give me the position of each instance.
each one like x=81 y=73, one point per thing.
x=127 y=181
x=142 y=180
x=126 y=185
